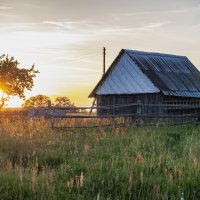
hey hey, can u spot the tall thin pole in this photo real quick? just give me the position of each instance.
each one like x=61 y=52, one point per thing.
x=104 y=60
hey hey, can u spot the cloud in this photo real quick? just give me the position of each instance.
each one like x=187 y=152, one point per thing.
x=100 y=28
x=132 y=14
x=7 y=15
x=177 y=11
x=5 y=12
x=73 y=32
x=78 y=26
x=10 y=27
x=6 y=7
x=66 y=25
x=152 y=26
x=197 y=26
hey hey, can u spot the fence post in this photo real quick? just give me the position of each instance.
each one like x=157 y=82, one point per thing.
x=49 y=103
x=93 y=104
x=52 y=122
x=51 y=114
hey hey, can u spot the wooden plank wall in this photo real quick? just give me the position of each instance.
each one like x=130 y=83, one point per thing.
x=160 y=109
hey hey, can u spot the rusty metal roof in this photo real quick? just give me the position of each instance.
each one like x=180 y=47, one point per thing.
x=172 y=75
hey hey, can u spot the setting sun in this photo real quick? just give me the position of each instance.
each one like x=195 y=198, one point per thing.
x=1 y=93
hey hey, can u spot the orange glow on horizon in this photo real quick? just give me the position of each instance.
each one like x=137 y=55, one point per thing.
x=77 y=95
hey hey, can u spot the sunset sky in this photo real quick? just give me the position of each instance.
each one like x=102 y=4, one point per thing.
x=64 y=38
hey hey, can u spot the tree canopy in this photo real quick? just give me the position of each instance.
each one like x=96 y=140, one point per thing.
x=36 y=101
x=42 y=101
x=63 y=101
x=13 y=79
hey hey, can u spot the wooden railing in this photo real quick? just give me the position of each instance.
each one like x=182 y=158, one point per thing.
x=192 y=116
x=167 y=112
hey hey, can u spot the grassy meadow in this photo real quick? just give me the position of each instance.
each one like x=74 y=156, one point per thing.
x=101 y=163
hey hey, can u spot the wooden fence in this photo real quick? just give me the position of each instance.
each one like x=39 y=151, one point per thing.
x=172 y=113
x=137 y=118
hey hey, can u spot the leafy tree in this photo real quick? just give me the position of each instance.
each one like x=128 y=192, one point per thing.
x=63 y=101
x=13 y=79
x=36 y=101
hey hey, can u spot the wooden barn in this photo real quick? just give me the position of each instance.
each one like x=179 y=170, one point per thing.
x=151 y=83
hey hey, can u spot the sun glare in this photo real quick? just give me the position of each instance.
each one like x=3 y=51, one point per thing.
x=14 y=102
x=1 y=93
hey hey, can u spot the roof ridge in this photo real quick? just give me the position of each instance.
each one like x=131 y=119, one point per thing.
x=136 y=52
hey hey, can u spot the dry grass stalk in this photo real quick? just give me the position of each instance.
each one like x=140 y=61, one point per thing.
x=97 y=140
x=86 y=148
x=116 y=131
x=139 y=158
x=160 y=159
x=102 y=132
x=175 y=170
x=50 y=178
x=123 y=131
x=190 y=154
x=81 y=179
x=192 y=157
x=130 y=182
x=33 y=179
x=165 y=170
x=20 y=174
x=70 y=184
x=156 y=191
x=142 y=177
x=8 y=166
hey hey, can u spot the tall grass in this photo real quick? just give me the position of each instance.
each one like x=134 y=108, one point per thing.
x=127 y=163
